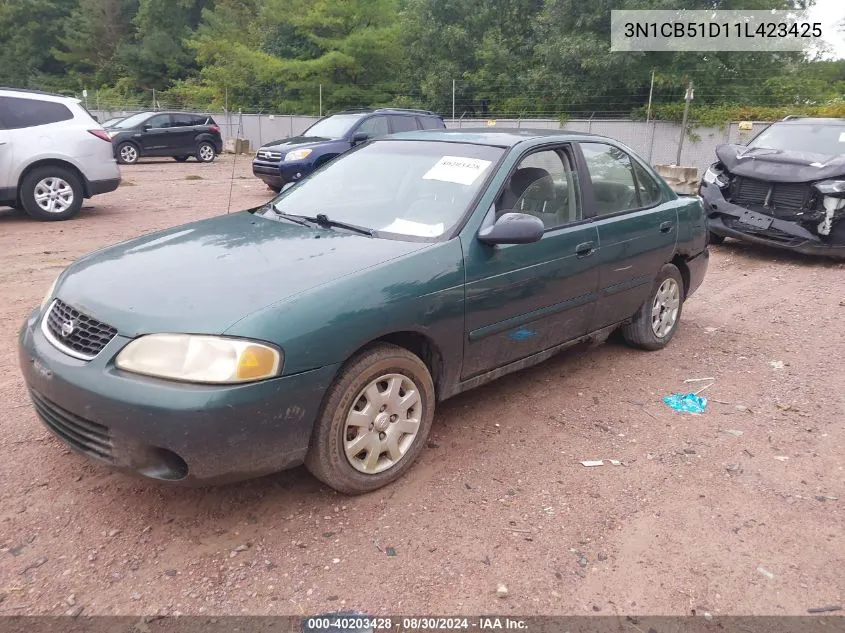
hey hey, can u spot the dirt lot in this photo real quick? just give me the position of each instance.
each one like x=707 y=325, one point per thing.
x=499 y=496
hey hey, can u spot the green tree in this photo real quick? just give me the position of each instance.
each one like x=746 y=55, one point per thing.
x=158 y=56
x=29 y=29
x=93 y=34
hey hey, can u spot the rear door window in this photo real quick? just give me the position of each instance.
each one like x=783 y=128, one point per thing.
x=403 y=123
x=612 y=178
x=647 y=187
x=183 y=120
x=19 y=113
x=431 y=123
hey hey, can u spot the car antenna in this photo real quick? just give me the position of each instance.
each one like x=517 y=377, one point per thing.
x=234 y=161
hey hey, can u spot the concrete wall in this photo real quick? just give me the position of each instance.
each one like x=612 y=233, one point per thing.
x=656 y=141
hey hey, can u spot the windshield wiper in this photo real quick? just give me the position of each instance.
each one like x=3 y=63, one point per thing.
x=323 y=220
x=296 y=219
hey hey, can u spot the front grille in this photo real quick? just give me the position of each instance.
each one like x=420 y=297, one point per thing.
x=774 y=195
x=75 y=332
x=269 y=155
x=89 y=437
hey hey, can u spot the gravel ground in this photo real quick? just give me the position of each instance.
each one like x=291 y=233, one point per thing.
x=741 y=522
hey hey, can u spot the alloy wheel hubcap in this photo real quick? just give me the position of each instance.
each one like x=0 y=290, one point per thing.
x=382 y=424
x=53 y=195
x=664 y=312
x=129 y=154
x=206 y=153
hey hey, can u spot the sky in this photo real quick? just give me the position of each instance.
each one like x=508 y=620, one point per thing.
x=831 y=13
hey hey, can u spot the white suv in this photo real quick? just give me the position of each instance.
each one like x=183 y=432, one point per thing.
x=52 y=154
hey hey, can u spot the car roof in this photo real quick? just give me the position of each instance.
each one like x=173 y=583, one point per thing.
x=809 y=120
x=502 y=137
x=411 y=111
x=44 y=96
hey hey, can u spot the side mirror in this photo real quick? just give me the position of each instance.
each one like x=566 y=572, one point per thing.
x=147 y=127
x=513 y=228
x=360 y=137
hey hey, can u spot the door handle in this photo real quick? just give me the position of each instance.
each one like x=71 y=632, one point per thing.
x=585 y=249
x=666 y=227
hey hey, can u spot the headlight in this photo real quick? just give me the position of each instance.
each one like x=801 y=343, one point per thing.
x=201 y=359
x=831 y=187
x=715 y=177
x=49 y=294
x=298 y=154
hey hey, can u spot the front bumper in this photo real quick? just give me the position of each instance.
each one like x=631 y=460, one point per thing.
x=193 y=434
x=723 y=216
x=279 y=174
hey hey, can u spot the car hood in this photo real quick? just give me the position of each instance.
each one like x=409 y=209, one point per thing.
x=296 y=141
x=205 y=276
x=779 y=165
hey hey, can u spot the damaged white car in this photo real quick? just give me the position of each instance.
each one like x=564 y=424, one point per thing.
x=786 y=188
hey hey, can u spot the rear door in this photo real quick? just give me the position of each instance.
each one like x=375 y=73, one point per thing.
x=522 y=299
x=155 y=139
x=7 y=186
x=402 y=123
x=183 y=131
x=637 y=230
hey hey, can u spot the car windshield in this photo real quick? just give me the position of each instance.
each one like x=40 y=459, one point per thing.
x=132 y=121
x=335 y=126
x=112 y=122
x=813 y=138
x=412 y=189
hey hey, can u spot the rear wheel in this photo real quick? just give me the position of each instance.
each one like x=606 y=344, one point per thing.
x=375 y=421
x=127 y=154
x=51 y=193
x=206 y=152
x=181 y=159
x=657 y=320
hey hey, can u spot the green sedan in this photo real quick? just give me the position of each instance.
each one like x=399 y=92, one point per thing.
x=324 y=327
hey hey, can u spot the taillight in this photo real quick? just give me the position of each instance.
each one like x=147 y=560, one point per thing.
x=214 y=128
x=101 y=134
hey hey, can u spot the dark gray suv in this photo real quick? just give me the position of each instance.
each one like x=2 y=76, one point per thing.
x=177 y=134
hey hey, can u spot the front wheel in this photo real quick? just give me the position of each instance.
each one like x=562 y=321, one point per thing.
x=51 y=193
x=657 y=320
x=206 y=152
x=374 y=422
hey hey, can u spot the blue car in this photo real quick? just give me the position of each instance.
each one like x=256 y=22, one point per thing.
x=281 y=162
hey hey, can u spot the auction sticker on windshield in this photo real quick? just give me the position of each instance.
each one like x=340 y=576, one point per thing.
x=457 y=169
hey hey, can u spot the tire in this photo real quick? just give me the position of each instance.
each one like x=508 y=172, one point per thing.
x=275 y=189
x=668 y=290
x=359 y=385
x=181 y=159
x=206 y=152
x=128 y=153
x=51 y=193
x=716 y=239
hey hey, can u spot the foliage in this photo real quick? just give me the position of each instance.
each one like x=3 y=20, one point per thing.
x=516 y=58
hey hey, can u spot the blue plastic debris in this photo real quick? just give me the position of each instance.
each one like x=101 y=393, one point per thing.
x=686 y=402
